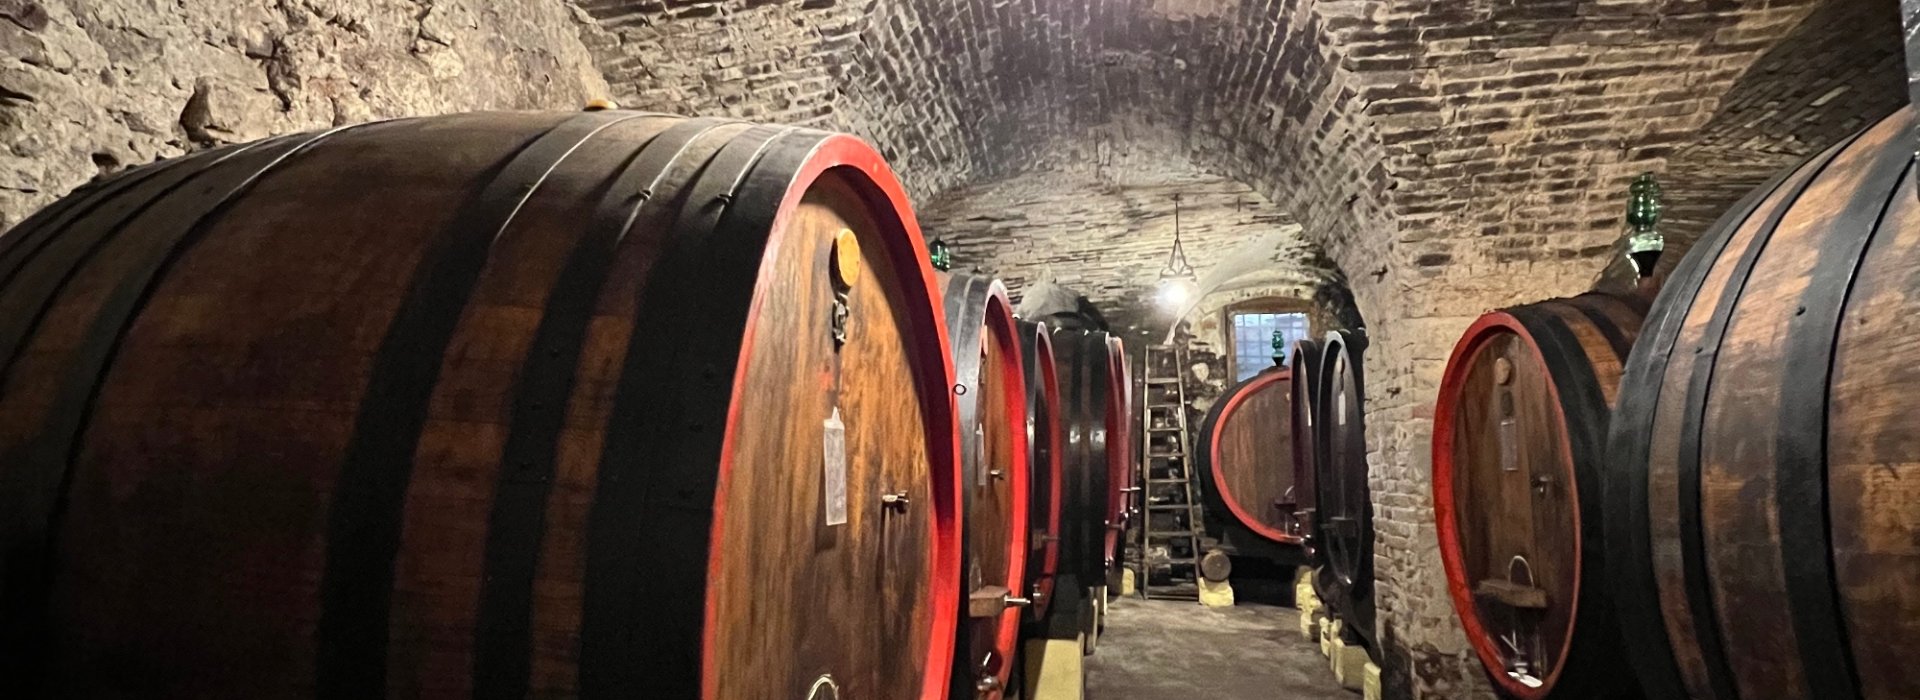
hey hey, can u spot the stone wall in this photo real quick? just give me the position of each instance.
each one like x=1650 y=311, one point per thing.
x=92 y=87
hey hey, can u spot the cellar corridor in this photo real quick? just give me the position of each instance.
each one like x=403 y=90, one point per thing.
x=1164 y=649
x=953 y=349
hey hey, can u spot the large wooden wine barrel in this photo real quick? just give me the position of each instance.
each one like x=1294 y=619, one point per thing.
x=1303 y=379
x=991 y=396
x=1044 y=459
x=1763 y=532
x=1519 y=436
x=1246 y=454
x=1345 y=501
x=490 y=405
x=1081 y=360
x=1120 y=452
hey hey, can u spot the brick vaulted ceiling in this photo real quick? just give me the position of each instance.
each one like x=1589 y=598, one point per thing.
x=1406 y=136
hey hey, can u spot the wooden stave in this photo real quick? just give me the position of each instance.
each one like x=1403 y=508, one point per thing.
x=753 y=182
x=1044 y=438
x=1080 y=359
x=1218 y=495
x=1307 y=449
x=1831 y=635
x=1584 y=368
x=1347 y=576
x=978 y=312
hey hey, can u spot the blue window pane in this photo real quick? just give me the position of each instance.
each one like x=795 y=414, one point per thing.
x=1253 y=339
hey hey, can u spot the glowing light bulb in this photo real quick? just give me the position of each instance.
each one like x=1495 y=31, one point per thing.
x=1174 y=293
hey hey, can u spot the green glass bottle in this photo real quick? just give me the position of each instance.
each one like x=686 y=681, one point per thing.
x=1644 y=242
x=940 y=254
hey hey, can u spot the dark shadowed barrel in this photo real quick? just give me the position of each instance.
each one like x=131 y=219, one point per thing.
x=490 y=405
x=1519 y=436
x=1246 y=456
x=1763 y=531
x=1044 y=443
x=1081 y=360
x=1345 y=501
x=1303 y=380
x=1120 y=442
x=991 y=395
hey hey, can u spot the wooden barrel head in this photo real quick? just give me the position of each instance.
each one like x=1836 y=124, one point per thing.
x=1044 y=441
x=1246 y=455
x=1517 y=455
x=991 y=396
x=1763 y=505
x=494 y=405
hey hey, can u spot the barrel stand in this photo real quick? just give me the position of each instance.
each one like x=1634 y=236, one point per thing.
x=1055 y=669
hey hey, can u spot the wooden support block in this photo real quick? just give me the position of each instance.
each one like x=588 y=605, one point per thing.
x=987 y=601
x=1055 y=670
x=1128 y=582
x=1349 y=662
x=1370 y=682
x=1512 y=595
x=1090 y=622
x=1304 y=597
x=1216 y=594
x=1329 y=631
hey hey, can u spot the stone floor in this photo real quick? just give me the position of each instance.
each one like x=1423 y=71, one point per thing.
x=1174 y=650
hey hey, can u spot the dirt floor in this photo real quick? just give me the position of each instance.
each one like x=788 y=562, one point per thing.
x=1180 y=650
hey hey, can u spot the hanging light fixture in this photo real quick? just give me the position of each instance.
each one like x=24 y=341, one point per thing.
x=1176 y=278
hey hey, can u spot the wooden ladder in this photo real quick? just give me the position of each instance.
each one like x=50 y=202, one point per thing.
x=1167 y=495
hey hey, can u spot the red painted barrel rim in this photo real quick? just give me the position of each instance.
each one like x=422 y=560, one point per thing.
x=1246 y=390
x=1447 y=519
x=1004 y=333
x=1119 y=446
x=870 y=177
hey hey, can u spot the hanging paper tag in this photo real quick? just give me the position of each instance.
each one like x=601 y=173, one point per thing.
x=834 y=447
x=1340 y=408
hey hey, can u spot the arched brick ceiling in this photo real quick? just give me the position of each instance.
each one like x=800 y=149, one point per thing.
x=1097 y=216
x=1463 y=133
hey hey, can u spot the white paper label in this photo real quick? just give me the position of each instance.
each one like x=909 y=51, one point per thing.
x=979 y=456
x=1340 y=409
x=1509 y=459
x=834 y=447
